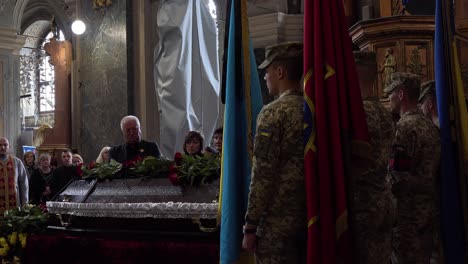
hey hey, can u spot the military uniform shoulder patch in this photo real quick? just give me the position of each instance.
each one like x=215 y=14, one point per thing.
x=263 y=142
x=265 y=132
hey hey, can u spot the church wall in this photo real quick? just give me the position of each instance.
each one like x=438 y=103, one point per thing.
x=101 y=78
x=6 y=9
x=9 y=116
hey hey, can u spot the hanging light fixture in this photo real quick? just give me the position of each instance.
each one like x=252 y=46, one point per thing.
x=78 y=27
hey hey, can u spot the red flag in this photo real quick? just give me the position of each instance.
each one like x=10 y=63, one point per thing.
x=334 y=118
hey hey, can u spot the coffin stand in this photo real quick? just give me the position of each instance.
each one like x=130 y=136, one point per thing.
x=130 y=221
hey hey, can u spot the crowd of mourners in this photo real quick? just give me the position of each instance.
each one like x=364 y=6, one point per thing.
x=37 y=180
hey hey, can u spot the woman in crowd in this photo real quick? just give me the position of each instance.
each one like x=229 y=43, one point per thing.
x=193 y=144
x=217 y=140
x=103 y=156
x=29 y=161
x=77 y=159
x=39 y=189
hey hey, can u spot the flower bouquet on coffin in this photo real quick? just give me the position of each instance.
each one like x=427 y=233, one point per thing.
x=150 y=167
x=15 y=226
x=101 y=171
x=194 y=170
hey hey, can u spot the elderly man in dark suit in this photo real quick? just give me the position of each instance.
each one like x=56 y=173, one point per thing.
x=134 y=147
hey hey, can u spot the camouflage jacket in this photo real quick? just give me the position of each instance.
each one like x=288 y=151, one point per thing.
x=415 y=154
x=277 y=191
x=381 y=133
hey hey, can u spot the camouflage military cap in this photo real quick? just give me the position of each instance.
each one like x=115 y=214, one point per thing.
x=427 y=88
x=282 y=51
x=411 y=81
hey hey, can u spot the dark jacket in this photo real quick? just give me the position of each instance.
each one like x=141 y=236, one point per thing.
x=128 y=152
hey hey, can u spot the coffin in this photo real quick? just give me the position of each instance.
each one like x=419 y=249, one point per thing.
x=136 y=204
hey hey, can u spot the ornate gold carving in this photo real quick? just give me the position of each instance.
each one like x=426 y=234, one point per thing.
x=415 y=63
x=39 y=134
x=398 y=8
x=101 y=4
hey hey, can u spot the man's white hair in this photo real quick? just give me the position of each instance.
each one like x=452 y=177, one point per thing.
x=128 y=118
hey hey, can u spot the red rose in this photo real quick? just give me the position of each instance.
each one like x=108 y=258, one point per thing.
x=79 y=169
x=138 y=159
x=173 y=178
x=43 y=207
x=172 y=168
x=132 y=162
x=178 y=158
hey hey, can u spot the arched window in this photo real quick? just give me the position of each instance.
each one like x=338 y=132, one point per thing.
x=46 y=94
x=37 y=78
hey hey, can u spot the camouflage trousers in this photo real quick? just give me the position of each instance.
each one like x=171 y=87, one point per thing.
x=413 y=231
x=281 y=246
x=373 y=217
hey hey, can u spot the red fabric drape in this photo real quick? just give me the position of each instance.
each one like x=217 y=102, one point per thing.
x=96 y=248
x=333 y=108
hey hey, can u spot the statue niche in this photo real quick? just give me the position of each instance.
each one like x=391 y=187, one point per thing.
x=388 y=67
x=415 y=64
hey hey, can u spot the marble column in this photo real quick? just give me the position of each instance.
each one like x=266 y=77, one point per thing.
x=59 y=137
x=10 y=45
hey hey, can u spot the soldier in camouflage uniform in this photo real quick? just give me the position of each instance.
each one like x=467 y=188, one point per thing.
x=428 y=102
x=373 y=208
x=428 y=105
x=275 y=222
x=413 y=168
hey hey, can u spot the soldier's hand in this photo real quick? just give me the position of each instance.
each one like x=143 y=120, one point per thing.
x=249 y=242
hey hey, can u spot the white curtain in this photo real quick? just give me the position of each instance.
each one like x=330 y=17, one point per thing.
x=186 y=70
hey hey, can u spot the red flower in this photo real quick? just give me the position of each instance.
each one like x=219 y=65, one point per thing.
x=79 y=169
x=172 y=168
x=43 y=207
x=132 y=162
x=178 y=158
x=173 y=178
x=92 y=165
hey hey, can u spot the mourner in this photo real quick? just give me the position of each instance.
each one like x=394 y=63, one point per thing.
x=193 y=144
x=134 y=147
x=14 y=185
x=41 y=178
x=29 y=159
x=103 y=156
x=64 y=173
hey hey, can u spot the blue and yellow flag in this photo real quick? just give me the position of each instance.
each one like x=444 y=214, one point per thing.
x=453 y=133
x=243 y=102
